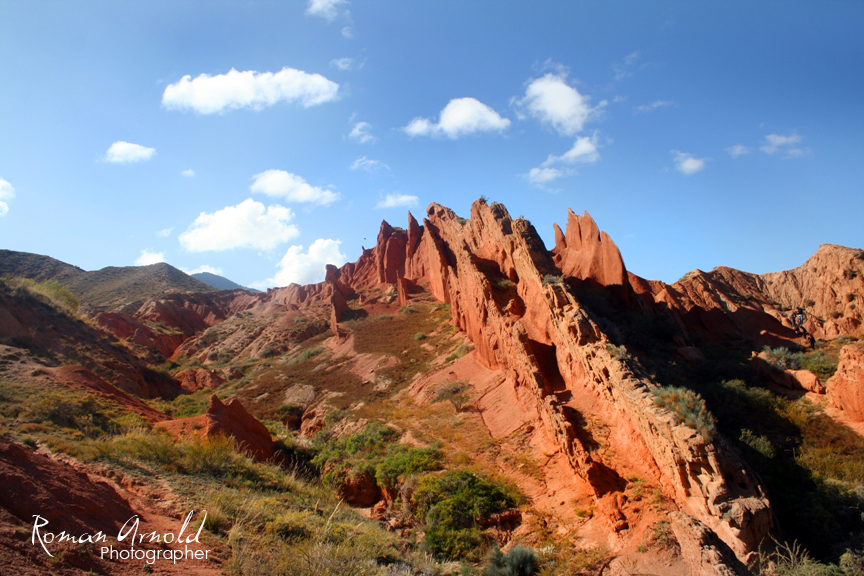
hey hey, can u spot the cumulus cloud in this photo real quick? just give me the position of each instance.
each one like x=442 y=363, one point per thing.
x=250 y=89
x=788 y=145
x=397 y=200
x=327 y=9
x=148 y=257
x=654 y=105
x=291 y=187
x=125 y=152
x=364 y=163
x=687 y=163
x=164 y=233
x=7 y=192
x=300 y=267
x=203 y=268
x=738 y=150
x=246 y=225
x=188 y=173
x=584 y=151
x=554 y=102
x=361 y=133
x=461 y=116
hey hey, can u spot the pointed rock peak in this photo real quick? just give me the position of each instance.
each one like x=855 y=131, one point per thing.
x=215 y=403
x=560 y=240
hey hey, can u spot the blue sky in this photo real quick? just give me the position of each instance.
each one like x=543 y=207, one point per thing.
x=261 y=139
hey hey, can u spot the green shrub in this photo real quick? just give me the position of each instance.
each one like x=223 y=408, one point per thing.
x=689 y=409
x=306 y=355
x=419 y=336
x=782 y=358
x=452 y=505
x=402 y=460
x=759 y=443
x=407 y=310
x=455 y=393
x=68 y=410
x=505 y=284
x=618 y=352
x=519 y=561
x=552 y=279
x=459 y=353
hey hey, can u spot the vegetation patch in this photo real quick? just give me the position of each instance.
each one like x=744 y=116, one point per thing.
x=452 y=506
x=689 y=409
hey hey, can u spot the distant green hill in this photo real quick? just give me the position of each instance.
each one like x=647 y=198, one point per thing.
x=220 y=282
x=112 y=286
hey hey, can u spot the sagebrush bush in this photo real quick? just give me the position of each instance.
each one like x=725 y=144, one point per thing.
x=306 y=355
x=519 y=561
x=689 y=409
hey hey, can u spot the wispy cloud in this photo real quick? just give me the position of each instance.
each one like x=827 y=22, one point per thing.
x=687 y=163
x=787 y=145
x=361 y=133
x=298 y=267
x=461 y=116
x=7 y=192
x=654 y=106
x=291 y=187
x=738 y=150
x=188 y=173
x=250 y=89
x=624 y=68
x=164 y=233
x=148 y=257
x=125 y=152
x=346 y=64
x=397 y=200
x=364 y=163
x=246 y=225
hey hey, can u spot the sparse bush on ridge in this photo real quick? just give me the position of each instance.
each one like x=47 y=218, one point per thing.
x=455 y=393
x=689 y=409
x=552 y=279
x=519 y=561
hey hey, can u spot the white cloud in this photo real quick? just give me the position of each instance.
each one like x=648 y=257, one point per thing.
x=346 y=64
x=7 y=192
x=687 y=163
x=461 y=116
x=327 y=9
x=552 y=101
x=250 y=89
x=584 y=151
x=654 y=105
x=125 y=152
x=541 y=175
x=147 y=257
x=396 y=200
x=738 y=150
x=203 y=268
x=348 y=33
x=164 y=233
x=364 y=163
x=305 y=268
x=246 y=225
x=188 y=173
x=788 y=144
x=291 y=187
x=360 y=133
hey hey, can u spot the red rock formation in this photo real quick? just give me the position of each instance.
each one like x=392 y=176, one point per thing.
x=585 y=253
x=83 y=379
x=846 y=387
x=230 y=419
x=194 y=379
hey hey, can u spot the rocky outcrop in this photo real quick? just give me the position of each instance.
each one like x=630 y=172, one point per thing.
x=194 y=379
x=230 y=419
x=705 y=554
x=846 y=387
x=585 y=253
x=558 y=362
